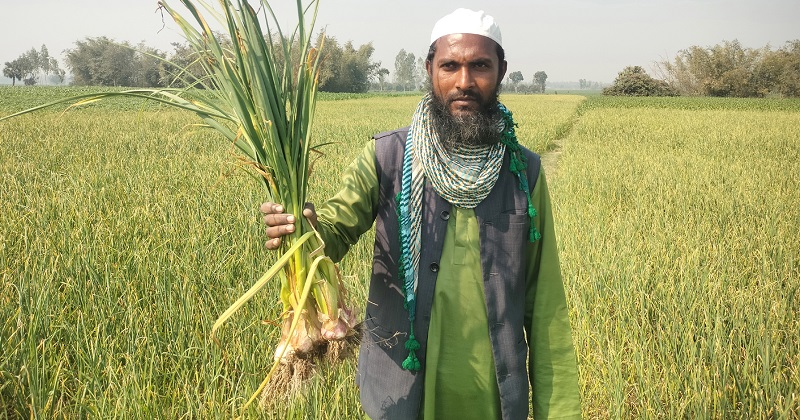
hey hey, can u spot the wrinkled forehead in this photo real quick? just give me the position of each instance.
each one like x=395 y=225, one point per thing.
x=468 y=46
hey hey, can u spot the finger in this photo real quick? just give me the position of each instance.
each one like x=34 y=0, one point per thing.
x=278 y=219
x=278 y=231
x=273 y=244
x=271 y=208
x=310 y=213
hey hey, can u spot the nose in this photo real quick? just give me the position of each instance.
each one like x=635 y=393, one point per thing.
x=466 y=79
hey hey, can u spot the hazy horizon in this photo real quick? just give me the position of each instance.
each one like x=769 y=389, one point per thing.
x=569 y=40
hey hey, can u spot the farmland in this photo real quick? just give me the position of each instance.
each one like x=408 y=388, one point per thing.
x=125 y=231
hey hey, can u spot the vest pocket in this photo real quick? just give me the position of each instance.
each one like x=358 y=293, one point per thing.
x=507 y=239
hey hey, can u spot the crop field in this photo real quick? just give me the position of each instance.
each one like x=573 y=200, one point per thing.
x=125 y=231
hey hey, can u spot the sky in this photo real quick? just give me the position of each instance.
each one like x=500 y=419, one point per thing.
x=568 y=39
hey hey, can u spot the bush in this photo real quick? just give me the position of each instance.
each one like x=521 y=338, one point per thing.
x=634 y=81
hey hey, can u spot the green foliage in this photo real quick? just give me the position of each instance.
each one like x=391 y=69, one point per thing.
x=381 y=74
x=515 y=77
x=125 y=232
x=118 y=255
x=18 y=69
x=540 y=78
x=691 y=103
x=104 y=62
x=404 y=68
x=30 y=65
x=678 y=230
x=634 y=81
x=183 y=67
x=345 y=68
x=729 y=69
x=778 y=72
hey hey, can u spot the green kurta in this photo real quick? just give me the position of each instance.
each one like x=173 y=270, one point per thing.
x=460 y=379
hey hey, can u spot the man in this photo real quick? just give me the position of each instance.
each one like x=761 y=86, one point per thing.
x=466 y=282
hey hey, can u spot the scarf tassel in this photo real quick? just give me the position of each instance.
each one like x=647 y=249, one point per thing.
x=412 y=362
x=518 y=164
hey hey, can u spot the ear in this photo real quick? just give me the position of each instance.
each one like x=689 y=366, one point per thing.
x=429 y=68
x=503 y=68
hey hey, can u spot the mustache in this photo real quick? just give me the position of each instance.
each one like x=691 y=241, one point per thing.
x=467 y=94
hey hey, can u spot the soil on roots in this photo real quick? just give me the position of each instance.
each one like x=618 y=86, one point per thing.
x=342 y=349
x=286 y=381
x=295 y=370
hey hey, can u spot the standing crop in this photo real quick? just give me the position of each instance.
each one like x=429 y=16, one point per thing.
x=260 y=94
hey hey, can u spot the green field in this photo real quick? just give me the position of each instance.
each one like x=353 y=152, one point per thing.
x=125 y=231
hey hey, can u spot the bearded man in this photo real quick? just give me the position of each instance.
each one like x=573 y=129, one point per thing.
x=466 y=303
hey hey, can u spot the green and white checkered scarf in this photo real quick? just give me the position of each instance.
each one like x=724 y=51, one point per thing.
x=463 y=176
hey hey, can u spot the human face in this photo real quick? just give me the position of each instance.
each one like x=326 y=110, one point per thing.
x=465 y=72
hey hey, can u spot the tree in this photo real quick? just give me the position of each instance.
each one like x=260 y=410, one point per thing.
x=515 y=78
x=381 y=75
x=724 y=69
x=149 y=64
x=49 y=65
x=331 y=56
x=778 y=72
x=420 y=74
x=540 y=78
x=404 y=69
x=16 y=70
x=101 y=61
x=789 y=80
x=30 y=65
x=634 y=81
x=345 y=68
x=105 y=62
x=182 y=68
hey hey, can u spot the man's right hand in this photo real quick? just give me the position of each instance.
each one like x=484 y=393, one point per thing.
x=280 y=224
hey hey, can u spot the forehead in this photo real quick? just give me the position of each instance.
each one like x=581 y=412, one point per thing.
x=466 y=46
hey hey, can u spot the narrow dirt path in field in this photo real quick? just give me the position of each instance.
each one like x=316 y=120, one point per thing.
x=550 y=158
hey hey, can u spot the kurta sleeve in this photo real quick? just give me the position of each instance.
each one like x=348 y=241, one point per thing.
x=552 y=365
x=351 y=212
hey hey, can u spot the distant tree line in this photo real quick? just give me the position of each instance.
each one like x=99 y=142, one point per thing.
x=32 y=65
x=104 y=62
x=101 y=61
x=538 y=85
x=726 y=69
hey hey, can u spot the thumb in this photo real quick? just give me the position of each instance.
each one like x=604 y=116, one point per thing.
x=311 y=214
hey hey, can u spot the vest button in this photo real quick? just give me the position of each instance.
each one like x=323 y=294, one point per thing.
x=435 y=267
x=445 y=215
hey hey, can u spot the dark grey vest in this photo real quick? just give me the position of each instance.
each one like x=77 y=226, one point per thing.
x=388 y=391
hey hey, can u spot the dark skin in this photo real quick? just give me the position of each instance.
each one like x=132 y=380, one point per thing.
x=465 y=72
x=280 y=224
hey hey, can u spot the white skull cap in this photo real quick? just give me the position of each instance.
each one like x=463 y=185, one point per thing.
x=465 y=21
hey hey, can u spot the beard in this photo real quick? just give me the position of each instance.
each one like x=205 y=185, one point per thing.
x=475 y=128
